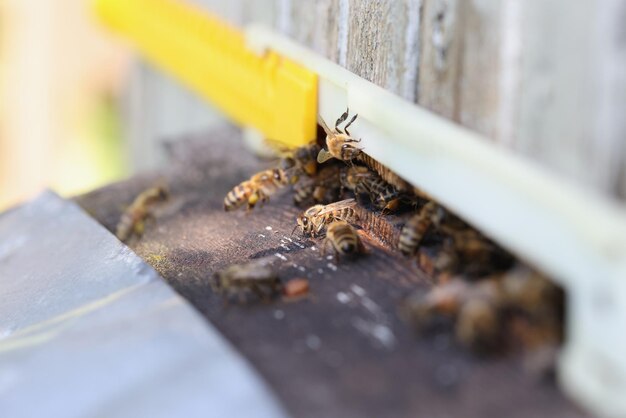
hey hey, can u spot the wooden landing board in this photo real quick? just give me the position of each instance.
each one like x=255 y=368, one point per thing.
x=345 y=351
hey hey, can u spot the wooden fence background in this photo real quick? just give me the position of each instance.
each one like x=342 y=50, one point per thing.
x=546 y=79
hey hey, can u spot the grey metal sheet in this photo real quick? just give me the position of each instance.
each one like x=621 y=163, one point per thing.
x=88 y=329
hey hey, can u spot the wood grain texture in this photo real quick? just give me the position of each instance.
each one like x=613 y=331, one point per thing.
x=609 y=43
x=314 y=24
x=382 y=44
x=479 y=93
x=439 y=67
x=571 y=97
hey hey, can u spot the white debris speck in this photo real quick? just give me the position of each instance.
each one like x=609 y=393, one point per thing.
x=371 y=306
x=343 y=297
x=331 y=266
x=268 y=228
x=299 y=245
x=282 y=241
x=314 y=248
x=380 y=333
x=282 y=257
x=278 y=314
x=261 y=236
x=287 y=238
x=313 y=342
x=358 y=290
x=320 y=271
x=302 y=269
x=329 y=257
x=284 y=247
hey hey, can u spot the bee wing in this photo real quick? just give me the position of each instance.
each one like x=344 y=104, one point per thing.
x=323 y=125
x=323 y=156
x=337 y=205
x=365 y=175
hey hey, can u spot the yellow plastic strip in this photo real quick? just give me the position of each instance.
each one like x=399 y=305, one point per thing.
x=270 y=93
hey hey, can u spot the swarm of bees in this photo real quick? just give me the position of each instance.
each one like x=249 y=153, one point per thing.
x=476 y=287
x=520 y=306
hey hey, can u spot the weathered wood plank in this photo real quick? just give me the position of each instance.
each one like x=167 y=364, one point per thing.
x=572 y=73
x=439 y=66
x=609 y=46
x=544 y=79
x=313 y=24
x=479 y=88
x=382 y=44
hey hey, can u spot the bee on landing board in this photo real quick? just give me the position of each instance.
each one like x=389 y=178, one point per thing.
x=134 y=218
x=323 y=188
x=305 y=159
x=341 y=145
x=256 y=277
x=343 y=238
x=258 y=189
x=415 y=229
x=362 y=180
x=315 y=218
x=474 y=308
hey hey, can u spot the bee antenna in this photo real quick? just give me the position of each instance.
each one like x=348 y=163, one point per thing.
x=294 y=229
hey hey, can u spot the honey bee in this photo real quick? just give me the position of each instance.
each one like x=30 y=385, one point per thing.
x=256 y=276
x=533 y=294
x=343 y=238
x=313 y=220
x=362 y=180
x=259 y=188
x=474 y=308
x=478 y=255
x=446 y=261
x=386 y=174
x=415 y=229
x=323 y=188
x=339 y=143
x=306 y=159
x=135 y=216
x=479 y=324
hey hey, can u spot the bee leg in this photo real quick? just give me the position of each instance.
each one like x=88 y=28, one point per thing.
x=341 y=119
x=323 y=247
x=261 y=294
x=350 y=123
x=262 y=197
x=319 y=229
x=391 y=206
